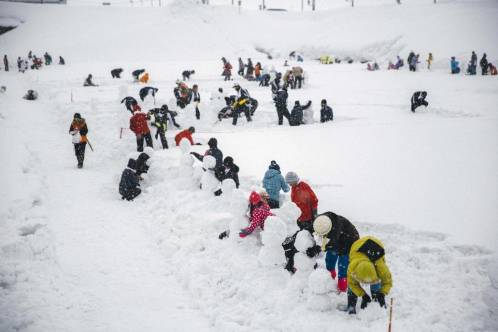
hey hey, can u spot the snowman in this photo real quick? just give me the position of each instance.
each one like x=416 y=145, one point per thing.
x=272 y=253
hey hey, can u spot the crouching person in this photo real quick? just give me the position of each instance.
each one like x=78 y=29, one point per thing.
x=367 y=265
x=130 y=182
x=258 y=212
x=338 y=236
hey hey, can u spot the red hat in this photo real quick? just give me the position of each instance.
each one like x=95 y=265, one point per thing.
x=254 y=198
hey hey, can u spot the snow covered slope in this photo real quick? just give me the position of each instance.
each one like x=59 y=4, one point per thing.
x=76 y=258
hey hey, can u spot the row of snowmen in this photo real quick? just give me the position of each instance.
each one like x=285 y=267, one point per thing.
x=277 y=229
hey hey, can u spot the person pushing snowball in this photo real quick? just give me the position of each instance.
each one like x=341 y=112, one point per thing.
x=258 y=212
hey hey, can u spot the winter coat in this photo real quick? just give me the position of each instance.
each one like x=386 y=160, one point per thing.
x=231 y=172
x=137 y=73
x=250 y=68
x=275 y=86
x=297 y=114
x=454 y=66
x=141 y=164
x=281 y=99
x=326 y=114
x=129 y=102
x=80 y=126
x=184 y=134
x=138 y=124
x=129 y=180
x=218 y=155
x=196 y=97
x=342 y=235
x=484 y=62
x=368 y=249
x=160 y=119
x=297 y=71
x=273 y=181
x=144 y=78
x=258 y=217
x=304 y=197
x=473 y=59
x=145 y=91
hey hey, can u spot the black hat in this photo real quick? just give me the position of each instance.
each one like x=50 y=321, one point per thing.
x=324 y=101
x=191 y=129
x=77 y=116
x=274 y=165
x=132 y=163
x=228 y=161
x=164 y=107
x=213 y=143
x=297 y=103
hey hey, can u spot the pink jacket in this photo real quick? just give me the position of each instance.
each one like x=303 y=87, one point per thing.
x=258 y=218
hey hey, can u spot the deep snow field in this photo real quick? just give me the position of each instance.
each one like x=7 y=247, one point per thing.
x=75 y=257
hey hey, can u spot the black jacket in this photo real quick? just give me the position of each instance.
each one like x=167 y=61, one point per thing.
x=342 y=235
x=281 y=99
x=145 y=91
x=483 y=62
x=129 y=180
x=326 y=114
x=141 y=164
x=231 y=172
x=137 y=73
x=116 y=72
x=417 y=98
x=297 y=114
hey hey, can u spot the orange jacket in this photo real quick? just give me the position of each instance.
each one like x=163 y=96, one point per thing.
x=80 y=126
x=305 y=199
x=144 y=78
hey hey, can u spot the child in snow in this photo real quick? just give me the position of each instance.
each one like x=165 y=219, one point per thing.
x=6 y=62
x=326 y=113
x=216 y=153
x=455 y=66
x=492 y=69
x=148 y=90
x=160 y=117
x=138 y=124
x=88 y=81
x=472 y=68
x=144 y=78
x=62 y=62
x=79 y=130
x=273 y=182
x=258 y=211
x=429 y=60
x=305 y=199
x=131 y=104
x=484 y=64
x=136 y=74
x=186 y=74
x=418 y=99
x=196 y=98
x=130 y=182
x=338 y=235
x=367 y=265
x=116 y=73
x=297 y=114
x=31 y=95
x=230 y=171
x=187 y=133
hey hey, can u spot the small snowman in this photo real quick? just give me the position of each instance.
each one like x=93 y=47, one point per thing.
x=272 y=253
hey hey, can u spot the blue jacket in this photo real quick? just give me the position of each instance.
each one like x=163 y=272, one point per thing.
x=454 y=65
x=273 y=182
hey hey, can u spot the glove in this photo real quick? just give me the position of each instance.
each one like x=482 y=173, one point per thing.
x=313 y=251
x=379 y=297
x=333 y=274
x=223 y=235
x=198 y=144
x=243 y=233
x=365 y=300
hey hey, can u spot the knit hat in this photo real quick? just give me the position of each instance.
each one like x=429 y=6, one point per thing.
x=132 y=163
x=212 y=142
x=291 y=178
x=77 y=116
x=322 y=225
x=365 y=272
x=274 y=165
x=254 y=198
x=228 y=161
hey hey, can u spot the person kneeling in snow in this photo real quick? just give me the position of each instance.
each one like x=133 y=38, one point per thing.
x=418 y=99
x=338 y=235
x=230 y=171
x=326 y=112
x=455 y=66
x=88 y=81
x=367 y=266
x=258 y=211
x=187 y=134
x=297 y=114
x=116 y=73
x=31 y=95
x=130 y=182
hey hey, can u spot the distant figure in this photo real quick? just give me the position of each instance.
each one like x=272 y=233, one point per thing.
x=484 y=64
x=418 y=99
x=61 y=61
x=136 y=74
x=88 y=81
x=130 y=182
x=79 y=130
x=31 y=95
x=144 y=78
x=186 y=74
x=187 y=134
x=472 y=68
x=492 y=69
x=131 y=104
x=455 y=66
x=48 y=59
x=6 y=62
x=116 y=73
x=146 y=91
x=297 y=115
x=326 y=113
x=430 y=58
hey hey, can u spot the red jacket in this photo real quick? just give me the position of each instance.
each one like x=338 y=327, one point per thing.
x=184 y=134
x=305 y=199
x=258 y=217
x=138 y=123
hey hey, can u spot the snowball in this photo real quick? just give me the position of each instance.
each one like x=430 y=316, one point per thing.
x=319 y=302
x=187 y=160
x=288 y=212
x=209 y=162
x=185 y=145
x=303 y=263
x=228 y=186
x=275 y=231
x=198 y=173
x=320 y=282
x=271 y=256
x=209 y=182
x=304 y=240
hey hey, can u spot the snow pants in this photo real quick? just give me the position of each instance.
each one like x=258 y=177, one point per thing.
x=79 y=151
x=140 y=141
x=130 y=194
x=273 y=203
x=331 y=258
x=283 y=112
x=236 y=113
x=162 y=135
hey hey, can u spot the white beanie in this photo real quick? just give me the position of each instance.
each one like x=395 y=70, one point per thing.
x=322 y=225
x=291 y=178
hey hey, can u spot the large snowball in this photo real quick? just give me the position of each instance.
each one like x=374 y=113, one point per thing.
x=187 y=160
x=209 y=162
x=209 y=182
x=304 y=240
x=228 y=186
x=271 y=256
x=288 y=212
x=198 y=173
x=319 y=302
x=185 y=145
x=275 y=231
x=320 y=282
x=303 y=263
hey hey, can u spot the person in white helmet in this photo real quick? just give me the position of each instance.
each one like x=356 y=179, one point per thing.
x=338 y=235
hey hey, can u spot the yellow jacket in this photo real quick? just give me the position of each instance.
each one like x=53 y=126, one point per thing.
x=370 y=250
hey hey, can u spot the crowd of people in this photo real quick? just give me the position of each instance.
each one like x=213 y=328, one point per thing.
x=31 y=62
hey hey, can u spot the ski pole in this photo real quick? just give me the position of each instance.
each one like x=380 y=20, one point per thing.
x=90 y=145
x=390 y=315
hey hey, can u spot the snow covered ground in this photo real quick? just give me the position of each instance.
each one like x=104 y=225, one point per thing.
x=77 y=258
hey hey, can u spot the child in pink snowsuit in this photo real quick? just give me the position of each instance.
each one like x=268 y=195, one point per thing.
x=259 y=212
